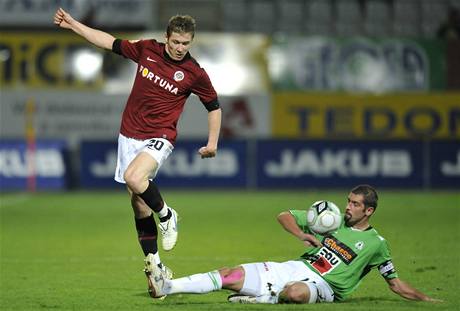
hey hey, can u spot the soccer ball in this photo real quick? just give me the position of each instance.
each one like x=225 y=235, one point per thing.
x=323 y=217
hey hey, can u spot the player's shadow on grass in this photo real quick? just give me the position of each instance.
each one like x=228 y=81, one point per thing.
x=184 y=299
x=179 y=299
x=191 y=299
x=372 y=299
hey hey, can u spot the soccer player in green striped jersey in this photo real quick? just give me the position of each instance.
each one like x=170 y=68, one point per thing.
x=329 y=271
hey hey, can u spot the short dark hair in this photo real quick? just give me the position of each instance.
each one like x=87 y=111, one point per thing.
x=369 y=194
x=181 y=24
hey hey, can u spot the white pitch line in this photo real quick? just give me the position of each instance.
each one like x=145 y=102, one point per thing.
x=39 y=260
x=14 y=199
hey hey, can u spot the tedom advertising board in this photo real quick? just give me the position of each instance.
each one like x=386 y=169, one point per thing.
x=42 y=166
x=354 y=116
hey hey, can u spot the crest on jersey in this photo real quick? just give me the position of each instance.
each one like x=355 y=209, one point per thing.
x=178 y=76
x=359 y=245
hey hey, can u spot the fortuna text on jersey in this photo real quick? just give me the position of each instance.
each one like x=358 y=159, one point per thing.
x=146 y=73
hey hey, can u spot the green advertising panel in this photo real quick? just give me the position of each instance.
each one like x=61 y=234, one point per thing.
x=359 y=64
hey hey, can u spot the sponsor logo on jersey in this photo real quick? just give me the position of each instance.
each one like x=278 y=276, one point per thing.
x=163 y=83
x=330 y=255
x=341 y=250
x=178 y=76
x=325 y=261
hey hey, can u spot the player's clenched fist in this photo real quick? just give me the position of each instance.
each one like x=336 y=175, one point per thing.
x=63 y=19
x=207 y=152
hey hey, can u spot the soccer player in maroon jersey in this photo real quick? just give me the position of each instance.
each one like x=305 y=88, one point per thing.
x=166 y=75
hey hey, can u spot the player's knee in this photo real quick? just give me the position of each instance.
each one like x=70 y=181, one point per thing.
x=224 y=271
x=232 y=278
x=296 y=292
x=133 y=179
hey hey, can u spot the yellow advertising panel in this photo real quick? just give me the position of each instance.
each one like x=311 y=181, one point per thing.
x=44 y=60
x=397 y=116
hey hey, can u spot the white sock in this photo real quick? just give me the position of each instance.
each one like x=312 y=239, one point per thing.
x=164 y=211
x=198 y=283
x=156 y=258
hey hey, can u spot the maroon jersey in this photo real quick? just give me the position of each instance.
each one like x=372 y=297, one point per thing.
x=160 y=89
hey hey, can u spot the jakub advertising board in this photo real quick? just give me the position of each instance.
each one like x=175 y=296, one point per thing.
x=41 y=166
x=184 y=168
x=339 y=163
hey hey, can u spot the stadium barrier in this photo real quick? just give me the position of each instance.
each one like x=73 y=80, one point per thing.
x=184 y=168
x=47 y=166
x=287 y=164
x=253 y=164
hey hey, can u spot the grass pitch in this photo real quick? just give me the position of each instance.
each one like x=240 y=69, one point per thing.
x=78 y=251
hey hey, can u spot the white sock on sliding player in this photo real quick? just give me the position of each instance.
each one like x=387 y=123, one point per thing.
x=197 y=283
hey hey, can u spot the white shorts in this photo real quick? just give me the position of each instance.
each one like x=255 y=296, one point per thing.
x=265 y=280
x=129 y=148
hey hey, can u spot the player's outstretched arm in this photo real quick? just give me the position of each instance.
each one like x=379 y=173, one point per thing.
x=214 y=122
x=406 y=291
x=98 y=38
x=289 y=224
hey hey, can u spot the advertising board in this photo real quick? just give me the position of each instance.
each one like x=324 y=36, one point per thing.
x=43 y=167
x=326 y=164
x=184 y=168
x=346 y=116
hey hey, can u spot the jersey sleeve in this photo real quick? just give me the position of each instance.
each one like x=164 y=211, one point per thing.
x=383 y=261
x=132 y=49
x=204 y=89
x=300 y=217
